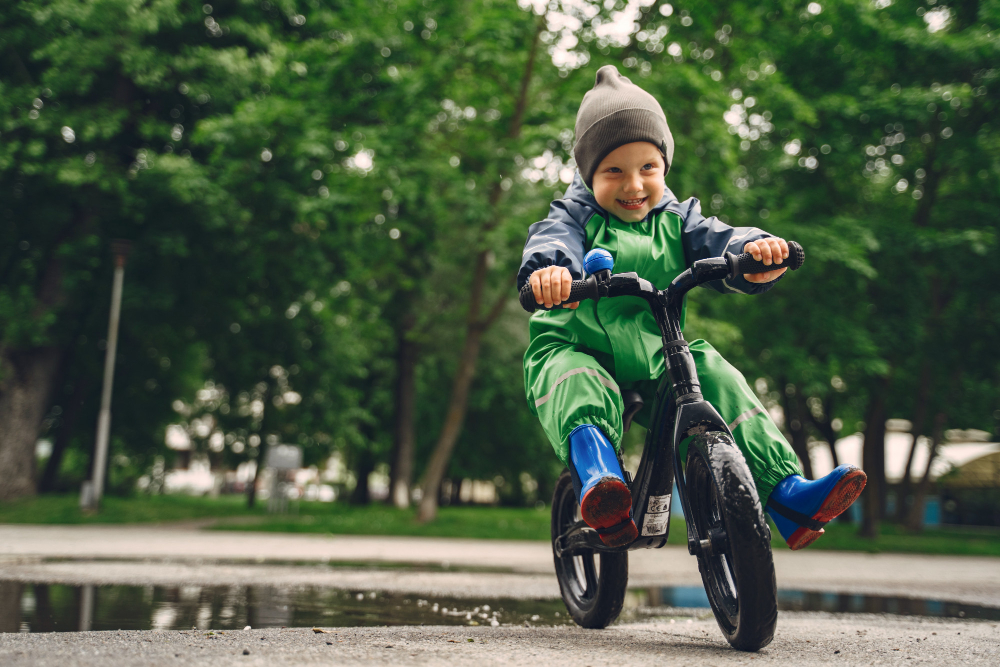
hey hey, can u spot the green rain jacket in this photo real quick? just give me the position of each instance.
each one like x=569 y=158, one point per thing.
x=578 y=361
x=658 y=248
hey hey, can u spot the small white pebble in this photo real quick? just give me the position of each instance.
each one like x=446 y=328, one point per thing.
x=495 y=623
x=246 y=628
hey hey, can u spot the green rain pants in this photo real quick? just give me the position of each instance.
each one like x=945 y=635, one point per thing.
x=569 y=387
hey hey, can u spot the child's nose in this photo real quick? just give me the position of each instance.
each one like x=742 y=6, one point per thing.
x=633 y=183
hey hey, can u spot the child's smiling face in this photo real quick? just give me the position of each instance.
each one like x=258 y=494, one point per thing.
x=628 y=183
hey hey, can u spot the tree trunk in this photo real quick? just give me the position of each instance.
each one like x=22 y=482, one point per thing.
x=70 y=416
x=825 y=428
x=27 y=378
x=795 y=416
x=915 y=517
x=267 y=426
x=26 y=382
x=44 y=614
x=456 y=413
x=261 y=458
x=365 y=467
x=475 y=327
x=401 y=476
x=916 y=430
x=10 y=606
x=873 y=462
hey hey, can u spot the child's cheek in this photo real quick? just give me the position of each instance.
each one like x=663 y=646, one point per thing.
x=656 y=193
x=605 y=197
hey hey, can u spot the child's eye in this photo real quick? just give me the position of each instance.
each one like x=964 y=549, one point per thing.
x=614 y=170
x=647 y=166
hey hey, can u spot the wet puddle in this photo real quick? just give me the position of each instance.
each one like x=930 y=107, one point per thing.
x=26 y=607
x=63 y=608
x=652 y=601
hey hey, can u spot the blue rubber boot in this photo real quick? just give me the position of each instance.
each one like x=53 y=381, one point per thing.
x=800 y=507
x=606 y=502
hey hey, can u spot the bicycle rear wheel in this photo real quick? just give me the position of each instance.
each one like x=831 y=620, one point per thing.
x=592 y=584
x=735 y=558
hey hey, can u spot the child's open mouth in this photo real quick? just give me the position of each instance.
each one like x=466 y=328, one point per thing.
x=632 y=204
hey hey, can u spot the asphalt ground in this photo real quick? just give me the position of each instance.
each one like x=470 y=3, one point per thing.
x=479 y=569
x=801 y=639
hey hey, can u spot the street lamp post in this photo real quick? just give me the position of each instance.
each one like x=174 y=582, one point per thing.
x=90 y=494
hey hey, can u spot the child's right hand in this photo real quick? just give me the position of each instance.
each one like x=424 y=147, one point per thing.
x=551 y=286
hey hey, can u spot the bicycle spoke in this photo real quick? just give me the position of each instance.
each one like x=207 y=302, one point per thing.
x=729 y=576
x=581 y=575
x=590 y=569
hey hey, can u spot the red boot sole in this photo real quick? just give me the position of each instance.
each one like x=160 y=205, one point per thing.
x=844 y=493
x=608 y=503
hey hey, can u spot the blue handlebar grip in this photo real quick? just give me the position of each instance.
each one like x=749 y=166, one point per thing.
x=596 y=260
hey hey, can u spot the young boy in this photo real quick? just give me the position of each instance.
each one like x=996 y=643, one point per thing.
x=581 y=357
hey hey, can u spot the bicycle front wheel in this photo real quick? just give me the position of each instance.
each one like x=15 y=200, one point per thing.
x=592 y=584
x=734 y=556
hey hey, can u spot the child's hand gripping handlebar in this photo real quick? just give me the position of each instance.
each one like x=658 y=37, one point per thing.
x=714 y=269
x=578 y=291
x=745 y=263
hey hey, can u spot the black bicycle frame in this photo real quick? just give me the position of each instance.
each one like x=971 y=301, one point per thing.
x=679 y=411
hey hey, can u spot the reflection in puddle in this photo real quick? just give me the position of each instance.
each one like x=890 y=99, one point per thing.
x=62 y=608
x=654 y=601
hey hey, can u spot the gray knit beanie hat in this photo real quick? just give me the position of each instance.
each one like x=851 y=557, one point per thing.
x=613 y=113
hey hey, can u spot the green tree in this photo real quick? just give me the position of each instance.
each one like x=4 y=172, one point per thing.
x=115 y=126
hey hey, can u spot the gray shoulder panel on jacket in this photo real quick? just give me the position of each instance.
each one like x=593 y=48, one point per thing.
x=710 y=237
x=560 y=239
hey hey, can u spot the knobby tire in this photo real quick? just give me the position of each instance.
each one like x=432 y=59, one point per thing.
x=739 y=578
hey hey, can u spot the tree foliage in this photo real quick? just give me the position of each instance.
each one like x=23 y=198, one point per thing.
x=312 y=189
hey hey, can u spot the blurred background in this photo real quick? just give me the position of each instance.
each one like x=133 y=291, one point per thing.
x=326 y=201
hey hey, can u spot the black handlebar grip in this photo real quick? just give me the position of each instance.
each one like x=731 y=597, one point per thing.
x=577 y=292
x=745 y=263
x=526 y=298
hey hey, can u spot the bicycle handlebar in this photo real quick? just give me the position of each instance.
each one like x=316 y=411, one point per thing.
x=738 y=265
x=578 y=291
x=745 y=263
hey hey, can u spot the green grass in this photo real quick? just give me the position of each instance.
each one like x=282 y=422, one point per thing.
x=508 y=523
x=952 y=540
x=231 y=513
x=65 y=509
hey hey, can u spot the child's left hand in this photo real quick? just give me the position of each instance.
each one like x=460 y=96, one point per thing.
x=770 y=251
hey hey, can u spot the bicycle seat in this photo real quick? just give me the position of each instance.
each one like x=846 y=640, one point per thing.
x=633 y=403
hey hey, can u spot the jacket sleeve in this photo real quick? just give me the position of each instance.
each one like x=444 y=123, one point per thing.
x=558 y=240
x=710 y=237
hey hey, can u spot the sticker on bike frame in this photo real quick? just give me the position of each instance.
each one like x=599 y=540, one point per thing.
x=658 y=504
x=655 y=524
